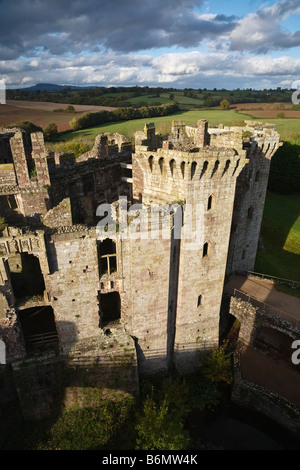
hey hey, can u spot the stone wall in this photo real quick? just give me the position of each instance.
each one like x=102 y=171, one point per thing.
x=7 y=175
x=59 y=216
x=97 y=372
x=253 y=318
x=250 y=199
x=73 y=286
x=255 y=397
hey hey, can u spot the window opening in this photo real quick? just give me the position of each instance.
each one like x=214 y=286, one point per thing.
x=107 y=257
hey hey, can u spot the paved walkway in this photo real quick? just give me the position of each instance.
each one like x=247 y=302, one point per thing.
x=278 y=303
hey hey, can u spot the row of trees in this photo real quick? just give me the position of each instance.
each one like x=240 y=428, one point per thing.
x=121 y=114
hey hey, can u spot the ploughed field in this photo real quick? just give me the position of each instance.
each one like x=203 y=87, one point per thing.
x=42 y=113
x=268 y=110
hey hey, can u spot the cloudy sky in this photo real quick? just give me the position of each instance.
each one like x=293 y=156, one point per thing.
x=169 y=43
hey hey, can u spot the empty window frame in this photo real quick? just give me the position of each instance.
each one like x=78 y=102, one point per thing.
x=205 y=251
x=200 y=300
x=161 y=164
x=107 y=257
x=172 y=166
x=227 y=165
x=250 y=212
x=210 y=203
x=182 y=166
x=110 y=307
x=193 y=169
x=150 y=160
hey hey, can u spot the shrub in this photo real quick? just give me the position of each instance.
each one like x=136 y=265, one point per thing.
x=70 y=109
x=75 y=146
x=50 y=130
x=2 y=224
x=26 y=126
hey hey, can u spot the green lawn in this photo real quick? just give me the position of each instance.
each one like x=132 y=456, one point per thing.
x=128 y=128
x=286 y=127
x=280 y=233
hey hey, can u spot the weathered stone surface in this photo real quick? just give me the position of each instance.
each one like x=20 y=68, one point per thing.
x=167 y=291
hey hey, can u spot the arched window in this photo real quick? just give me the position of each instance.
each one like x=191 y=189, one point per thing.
x=193 y=169
x=205 y=250
x=182 y=166
x=227 y=164
x=209 y=203
x=250 y=212
x=200 y=300
x=172 y=166
x=204 y=168
x=150 y=160
x=217 y=163
x=161 y=164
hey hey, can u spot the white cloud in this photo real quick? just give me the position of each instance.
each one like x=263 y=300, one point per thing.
x=261 y=32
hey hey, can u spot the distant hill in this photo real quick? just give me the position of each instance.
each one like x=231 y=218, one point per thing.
x=53 y=87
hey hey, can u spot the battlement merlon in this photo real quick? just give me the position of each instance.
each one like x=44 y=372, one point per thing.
x=252 y=137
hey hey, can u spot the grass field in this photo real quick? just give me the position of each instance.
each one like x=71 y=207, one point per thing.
x=128 y=128
x=280 y=234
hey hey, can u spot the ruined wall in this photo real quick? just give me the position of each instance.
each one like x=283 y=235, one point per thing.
x=145 y=299
x=250 y=199
x=105 y=370
x=73 y=285
x=59 y=216
x=252 y=319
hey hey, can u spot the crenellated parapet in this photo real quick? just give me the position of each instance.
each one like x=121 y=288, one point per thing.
x=183 y=162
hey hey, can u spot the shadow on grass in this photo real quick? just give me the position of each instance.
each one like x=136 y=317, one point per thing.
x=280 y=235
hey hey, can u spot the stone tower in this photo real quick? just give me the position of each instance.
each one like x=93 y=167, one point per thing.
x=179 y=317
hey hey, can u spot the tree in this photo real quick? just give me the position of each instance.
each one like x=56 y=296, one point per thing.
x=50 y=130
x=70 y=109
x=224 y=104
x=216 y=366
x=26 y=126
x=157 y=428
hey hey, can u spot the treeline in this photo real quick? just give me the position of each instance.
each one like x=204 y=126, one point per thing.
x=98 y=96
x=121 y=114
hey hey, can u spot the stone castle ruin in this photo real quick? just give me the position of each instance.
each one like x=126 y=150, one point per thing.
x=71 y=298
